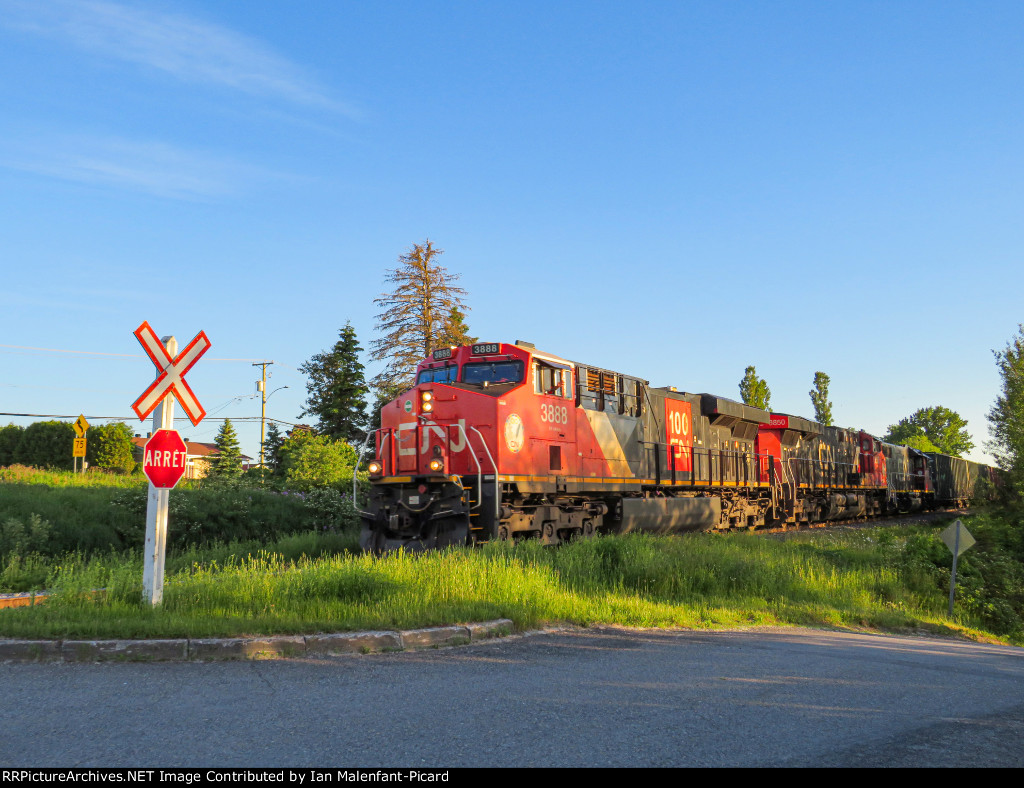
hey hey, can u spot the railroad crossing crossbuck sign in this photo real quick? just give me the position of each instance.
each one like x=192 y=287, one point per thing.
x=171 y=379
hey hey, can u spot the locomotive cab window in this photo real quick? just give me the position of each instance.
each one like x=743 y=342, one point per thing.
x=550 y=380
x=445 y=374
x=493 y=377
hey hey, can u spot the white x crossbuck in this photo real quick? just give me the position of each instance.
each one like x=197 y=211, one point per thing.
x=171 y=379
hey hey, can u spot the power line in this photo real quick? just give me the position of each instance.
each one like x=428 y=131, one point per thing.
x=135 y=418
x=116 y=355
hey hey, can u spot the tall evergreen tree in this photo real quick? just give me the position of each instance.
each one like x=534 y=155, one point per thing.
x=1006 y=419
x=417 y=316
x=456 y=332
x=384 y=395
x=820 y=400
x=272 y=448
x=754 y=391
x=337 y=389
x=228 y=462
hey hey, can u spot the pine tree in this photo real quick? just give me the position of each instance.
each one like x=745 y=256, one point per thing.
x=819 y=398
x=384 y=395
x=272 y=448
x=227 y=464
x=456 y=332
x=1006 y=419
x=337 y=389
x=754 y=391
x=417 y=317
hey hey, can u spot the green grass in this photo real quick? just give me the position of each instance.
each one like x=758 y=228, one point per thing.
x=857 y=579
x=23 y=474
x=100 y=513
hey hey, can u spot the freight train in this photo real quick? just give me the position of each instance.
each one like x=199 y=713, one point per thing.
x=503 y=441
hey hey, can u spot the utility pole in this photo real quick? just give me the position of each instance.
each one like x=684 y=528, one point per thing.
x=261 y=387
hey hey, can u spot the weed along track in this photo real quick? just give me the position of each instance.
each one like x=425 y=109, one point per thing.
x=882 y=521
x=863 y=577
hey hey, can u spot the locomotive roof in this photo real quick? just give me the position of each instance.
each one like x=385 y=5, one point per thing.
x=803 y=425
x=713 y=404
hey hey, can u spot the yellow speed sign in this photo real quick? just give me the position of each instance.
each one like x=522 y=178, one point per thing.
x=79 y=449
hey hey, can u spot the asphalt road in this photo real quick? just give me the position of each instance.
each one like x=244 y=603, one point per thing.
x=595 y=698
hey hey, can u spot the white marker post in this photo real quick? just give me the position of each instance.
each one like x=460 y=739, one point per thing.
x=959 y=540
x=156 y=505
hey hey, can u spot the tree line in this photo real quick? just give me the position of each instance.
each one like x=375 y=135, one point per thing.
x=933 y=429
x=48 y=444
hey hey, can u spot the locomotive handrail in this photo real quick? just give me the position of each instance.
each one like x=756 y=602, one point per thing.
x=497 y=488
x=479 y=472
x=387 y=436
x=750 y=463
x=355 y=478
x=827 y=470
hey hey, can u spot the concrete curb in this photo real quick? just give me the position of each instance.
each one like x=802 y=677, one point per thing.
x=271 y=647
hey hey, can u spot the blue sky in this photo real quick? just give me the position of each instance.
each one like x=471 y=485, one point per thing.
x=674 y=190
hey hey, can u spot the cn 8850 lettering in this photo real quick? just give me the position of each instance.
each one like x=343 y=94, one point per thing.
x=503 y=441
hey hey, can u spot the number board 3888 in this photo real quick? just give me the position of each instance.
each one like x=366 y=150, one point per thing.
x=554 y=414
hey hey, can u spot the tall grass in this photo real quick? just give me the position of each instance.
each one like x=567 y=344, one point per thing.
x=24 y=474
x=103 y=518
x=848 y=580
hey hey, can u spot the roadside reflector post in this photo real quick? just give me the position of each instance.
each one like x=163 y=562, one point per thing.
x=157 y=504
x=959 y=540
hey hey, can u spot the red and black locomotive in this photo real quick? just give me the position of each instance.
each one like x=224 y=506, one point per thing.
x=502 y=441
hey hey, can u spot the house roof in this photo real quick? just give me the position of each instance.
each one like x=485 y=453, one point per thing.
x=193 y=448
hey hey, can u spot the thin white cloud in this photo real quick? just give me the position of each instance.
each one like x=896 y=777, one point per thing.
x=154 y=168
x=187 y=48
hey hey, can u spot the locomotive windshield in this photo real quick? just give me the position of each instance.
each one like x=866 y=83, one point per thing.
x=446 y=374
x=493 y=373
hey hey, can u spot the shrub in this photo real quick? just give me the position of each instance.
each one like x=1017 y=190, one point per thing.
x=20 y=539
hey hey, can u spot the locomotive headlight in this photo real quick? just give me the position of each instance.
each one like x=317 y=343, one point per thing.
x=374 y=468
x=426 y=401
x=436 y=465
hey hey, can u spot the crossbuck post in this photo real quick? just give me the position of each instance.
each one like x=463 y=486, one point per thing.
x=156 y=505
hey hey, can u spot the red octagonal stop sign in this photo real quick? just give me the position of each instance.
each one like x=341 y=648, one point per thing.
x=164 y=459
